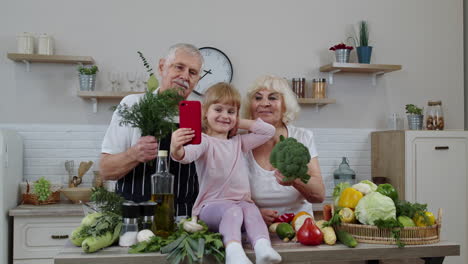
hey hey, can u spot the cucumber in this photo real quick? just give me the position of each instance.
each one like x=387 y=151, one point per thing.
x=346 y=238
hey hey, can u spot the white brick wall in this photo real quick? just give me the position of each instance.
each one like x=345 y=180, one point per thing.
x=47 y=147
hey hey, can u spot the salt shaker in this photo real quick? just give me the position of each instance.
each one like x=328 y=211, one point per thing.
x=130 y=214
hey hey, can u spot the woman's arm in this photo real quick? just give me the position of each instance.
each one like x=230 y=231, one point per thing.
x=314 y=190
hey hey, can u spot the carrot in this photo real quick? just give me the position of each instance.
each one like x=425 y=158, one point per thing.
x=327 y=212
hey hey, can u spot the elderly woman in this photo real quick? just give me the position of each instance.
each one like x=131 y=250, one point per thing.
x=271 y=99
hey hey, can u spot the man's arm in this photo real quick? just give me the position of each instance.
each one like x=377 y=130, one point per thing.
x=115 y=166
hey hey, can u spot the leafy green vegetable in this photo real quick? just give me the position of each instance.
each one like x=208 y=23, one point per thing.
x=409 y=209
x=154 y=114
x=182 y=244
x=334 y=221
x=394 y=226
x=371 y=184
x=107 y=201
x=388 y=190
x=375 y=206
x=291 y=157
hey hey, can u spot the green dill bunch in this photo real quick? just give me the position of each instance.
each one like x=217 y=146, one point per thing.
x=154 y=114
x=291 y=157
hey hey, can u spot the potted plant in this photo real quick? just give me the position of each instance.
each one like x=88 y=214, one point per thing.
x=364 y=51
x=415 y=117
x=87 y=77
x=342 y=52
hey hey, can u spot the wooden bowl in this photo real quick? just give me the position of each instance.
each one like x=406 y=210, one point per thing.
x=77 y=194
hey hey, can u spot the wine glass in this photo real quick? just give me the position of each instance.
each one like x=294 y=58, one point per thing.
x=113 y=76
x=145 y=82
x=131 y=77
x=139 y=80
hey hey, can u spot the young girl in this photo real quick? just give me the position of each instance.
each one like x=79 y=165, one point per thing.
x=224 y=202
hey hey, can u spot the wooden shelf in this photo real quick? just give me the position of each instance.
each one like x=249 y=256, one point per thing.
x=104 y=95
x=360 y=67
x=50 y=58
x=314 y=101
x=95 y=95
x=374 y=69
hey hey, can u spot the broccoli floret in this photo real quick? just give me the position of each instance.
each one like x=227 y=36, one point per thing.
x=291 y=157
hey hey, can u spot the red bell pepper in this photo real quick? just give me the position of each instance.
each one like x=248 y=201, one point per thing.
x=284 y=218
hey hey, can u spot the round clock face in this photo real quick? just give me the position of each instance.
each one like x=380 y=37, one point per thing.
x=217 y=68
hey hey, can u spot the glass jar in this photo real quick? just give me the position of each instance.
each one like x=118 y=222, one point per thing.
x=434 y=116
x=130 y=214
x=147 y=214
x=344 y=173
x=319 y=87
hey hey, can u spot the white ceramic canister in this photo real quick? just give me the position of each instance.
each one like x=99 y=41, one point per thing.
x=25 y=43
x=45 y=45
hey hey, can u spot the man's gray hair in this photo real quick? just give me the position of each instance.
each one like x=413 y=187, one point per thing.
x=191 y=49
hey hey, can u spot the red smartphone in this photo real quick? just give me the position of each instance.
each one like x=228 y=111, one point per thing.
x=190 y=117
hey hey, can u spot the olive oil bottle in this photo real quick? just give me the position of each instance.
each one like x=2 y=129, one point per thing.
x=162 y=183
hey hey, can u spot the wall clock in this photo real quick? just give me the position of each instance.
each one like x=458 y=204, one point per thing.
x=217 y=68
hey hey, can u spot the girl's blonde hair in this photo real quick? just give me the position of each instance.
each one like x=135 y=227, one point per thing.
x=279 y=85
x=220 y=93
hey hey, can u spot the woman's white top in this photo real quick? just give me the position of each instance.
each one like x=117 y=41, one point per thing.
x=267 y=193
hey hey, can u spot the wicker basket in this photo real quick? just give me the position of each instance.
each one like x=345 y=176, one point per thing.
x=408 y=235
x=28 y=197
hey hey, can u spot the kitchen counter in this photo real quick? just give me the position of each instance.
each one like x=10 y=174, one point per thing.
x=63 y=208
x=290 y=252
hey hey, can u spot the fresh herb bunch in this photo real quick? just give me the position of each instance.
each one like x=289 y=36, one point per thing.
x=182 y=244
x=107 y=201
x=149 y=69
x=363 y=33
x=334 y=221
x=154 y=114
x=413 y=109
x=42 y=189
x=411 y=210
x=88 y=70
x=394 y=226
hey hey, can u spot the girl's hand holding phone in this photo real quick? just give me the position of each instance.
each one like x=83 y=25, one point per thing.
x=179 y=138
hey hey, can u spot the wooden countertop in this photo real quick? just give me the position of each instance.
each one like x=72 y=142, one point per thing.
x=290 y=252
x=59 y=209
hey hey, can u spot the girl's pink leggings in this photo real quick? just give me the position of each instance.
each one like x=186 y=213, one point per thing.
x=227 y=217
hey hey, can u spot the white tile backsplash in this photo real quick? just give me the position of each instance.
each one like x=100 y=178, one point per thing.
x=47 y=146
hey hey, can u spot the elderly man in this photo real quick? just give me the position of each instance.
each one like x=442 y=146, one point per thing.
x=124 y=150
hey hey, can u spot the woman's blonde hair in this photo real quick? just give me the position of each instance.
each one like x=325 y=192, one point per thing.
x=220 y=93
x=279 y=85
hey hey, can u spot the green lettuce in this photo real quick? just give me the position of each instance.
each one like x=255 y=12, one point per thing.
x=375 y=206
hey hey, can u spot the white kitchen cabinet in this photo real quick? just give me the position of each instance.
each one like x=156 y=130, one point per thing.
x=40 y=232
x=428 y=167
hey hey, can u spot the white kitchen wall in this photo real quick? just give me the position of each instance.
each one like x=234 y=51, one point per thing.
x=286 y=38
x=46 y=147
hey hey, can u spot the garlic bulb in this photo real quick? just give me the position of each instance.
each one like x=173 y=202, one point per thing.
x=192 y=226
x=144 y=235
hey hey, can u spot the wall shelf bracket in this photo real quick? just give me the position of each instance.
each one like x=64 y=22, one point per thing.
x=374 y=77
x=28 y=67
x=330 y=76
x=94 y=101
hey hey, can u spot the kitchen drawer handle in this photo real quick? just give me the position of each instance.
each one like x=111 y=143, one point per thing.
x=59 y=236
x=441 y=147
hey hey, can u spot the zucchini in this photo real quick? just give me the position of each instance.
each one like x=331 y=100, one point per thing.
x=346 y=238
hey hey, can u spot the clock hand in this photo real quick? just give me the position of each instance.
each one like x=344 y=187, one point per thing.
x=206 y=72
